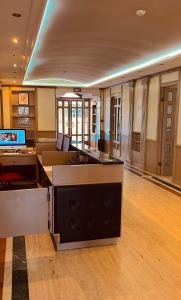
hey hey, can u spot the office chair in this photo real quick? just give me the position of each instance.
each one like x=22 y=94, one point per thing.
x=8 y=177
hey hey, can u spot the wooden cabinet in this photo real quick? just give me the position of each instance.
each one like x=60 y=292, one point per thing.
x=23 y=111
x=18 y=160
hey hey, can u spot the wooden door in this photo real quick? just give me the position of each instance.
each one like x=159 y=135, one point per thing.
x=168 y=130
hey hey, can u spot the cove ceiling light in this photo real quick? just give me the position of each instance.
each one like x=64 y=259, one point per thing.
x=50 y=9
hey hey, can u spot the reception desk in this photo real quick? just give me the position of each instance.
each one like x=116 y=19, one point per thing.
x=85 y=200
x=78 y=200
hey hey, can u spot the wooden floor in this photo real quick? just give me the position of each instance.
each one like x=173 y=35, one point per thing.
x=146 y=263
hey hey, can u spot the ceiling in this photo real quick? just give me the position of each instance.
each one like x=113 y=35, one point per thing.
x=86 y=43
x=24 y=29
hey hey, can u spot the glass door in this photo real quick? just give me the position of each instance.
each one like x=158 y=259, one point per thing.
x=116 y=121
x=74 y=119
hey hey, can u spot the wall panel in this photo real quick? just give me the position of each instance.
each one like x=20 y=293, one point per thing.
x=46 y=109
x=179 y=122
x=152 y=112
x=125 y=121
x=6 y=107
x=169 y=77
x=137 y=112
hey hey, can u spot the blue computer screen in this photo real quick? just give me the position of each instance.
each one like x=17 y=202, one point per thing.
x=12 y=137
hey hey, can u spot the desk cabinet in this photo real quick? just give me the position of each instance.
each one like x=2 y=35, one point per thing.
x=87 y=212
x=18 y=160
x=25 y=165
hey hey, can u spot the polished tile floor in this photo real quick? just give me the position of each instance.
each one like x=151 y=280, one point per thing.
x=144 y=265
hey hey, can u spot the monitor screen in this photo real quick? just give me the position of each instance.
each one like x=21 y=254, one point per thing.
x=12 y=137
x=59 y=141
x=66 y=143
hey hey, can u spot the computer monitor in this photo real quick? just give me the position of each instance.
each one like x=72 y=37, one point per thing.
x=66 y=143
x=12 y=139
x=59 y=141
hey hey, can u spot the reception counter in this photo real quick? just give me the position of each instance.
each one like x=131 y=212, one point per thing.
x=78 y=200
x=94 y=155
x=85 y=200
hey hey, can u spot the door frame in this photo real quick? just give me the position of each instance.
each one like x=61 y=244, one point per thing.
x=163 y=86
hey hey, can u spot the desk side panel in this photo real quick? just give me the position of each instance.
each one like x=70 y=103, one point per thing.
x=23 y=212
x=86 y=174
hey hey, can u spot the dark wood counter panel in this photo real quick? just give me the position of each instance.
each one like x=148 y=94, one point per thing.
x=96 y=155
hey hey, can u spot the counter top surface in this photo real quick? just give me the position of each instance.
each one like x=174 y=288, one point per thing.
x=19 y=153
x=100 y=157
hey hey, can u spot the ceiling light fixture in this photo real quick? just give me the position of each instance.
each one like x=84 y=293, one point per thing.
x=15 y=65
x=15 y=40
x=141 y=12
x=70 y=95
x=14 y=81
x=16 y=15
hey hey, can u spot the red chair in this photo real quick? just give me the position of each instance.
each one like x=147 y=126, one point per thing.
x=8 y=177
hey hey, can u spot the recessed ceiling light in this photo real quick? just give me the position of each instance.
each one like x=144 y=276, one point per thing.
x=16 y=15
x=15 y=41
x=14 y=81
x=15 y=65
x=141 y=12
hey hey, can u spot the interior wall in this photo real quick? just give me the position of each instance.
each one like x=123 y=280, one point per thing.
x=1 y=110
x=152 y=111
x=151 y=147
x=46 y=109
x=179 y=121
x=151 y=161
x=6 y=107
x=169 y=77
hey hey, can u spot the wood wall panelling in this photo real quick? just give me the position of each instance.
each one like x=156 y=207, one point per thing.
x=177 y=161
x=145 y=83
x=151 y=162
x=46 y=134
x=130 y=125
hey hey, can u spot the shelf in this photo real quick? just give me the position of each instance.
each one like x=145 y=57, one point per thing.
x=23 y=105
x=23 y=116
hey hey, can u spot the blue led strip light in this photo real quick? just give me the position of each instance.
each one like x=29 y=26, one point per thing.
x=147 y=62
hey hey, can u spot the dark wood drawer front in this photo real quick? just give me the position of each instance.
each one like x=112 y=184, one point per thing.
x=87 y=212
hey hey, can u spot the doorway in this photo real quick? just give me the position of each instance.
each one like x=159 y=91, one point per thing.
x=74 y=118
x=168 y=104
x=115 y=128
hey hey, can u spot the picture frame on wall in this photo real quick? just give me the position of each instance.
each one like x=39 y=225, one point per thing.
x=25 y=122
x=23 y=110
x=23 y=99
